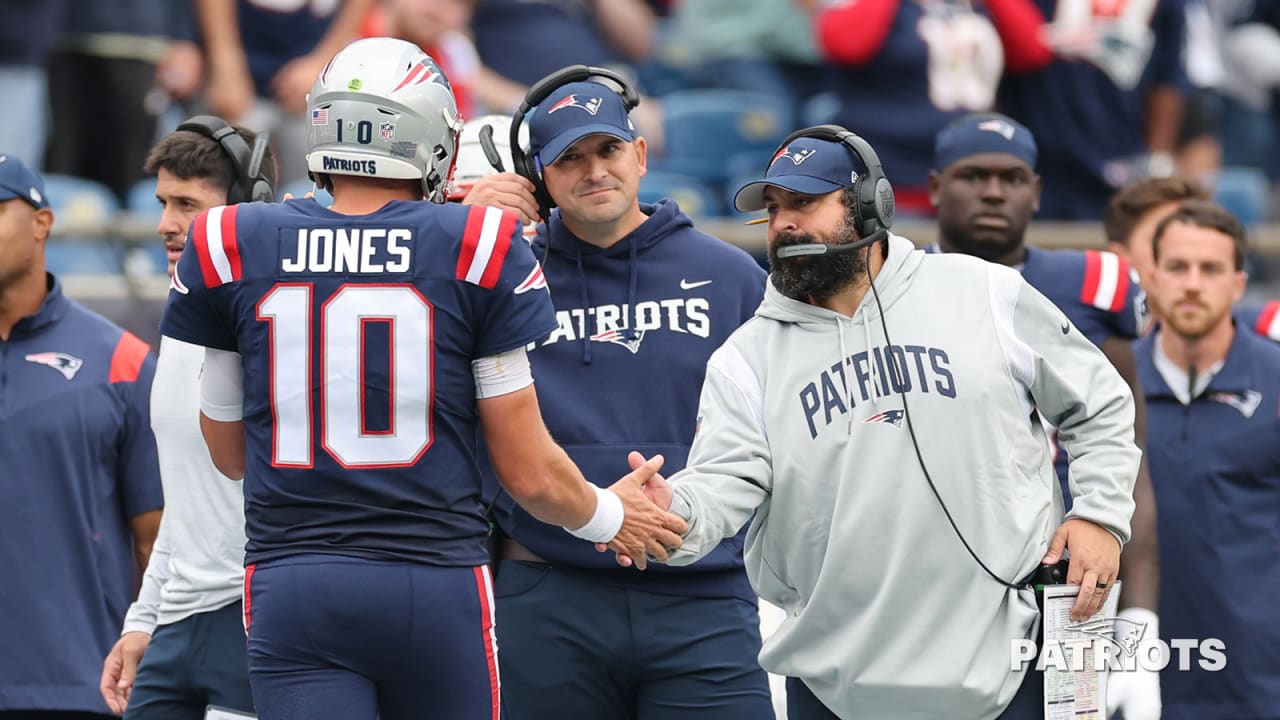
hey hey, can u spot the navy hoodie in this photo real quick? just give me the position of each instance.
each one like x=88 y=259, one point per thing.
x=624 y=371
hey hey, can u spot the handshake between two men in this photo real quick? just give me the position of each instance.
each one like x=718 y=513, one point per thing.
x=646 y=528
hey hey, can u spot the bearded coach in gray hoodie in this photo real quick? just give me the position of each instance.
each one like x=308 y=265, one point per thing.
x=878 y=424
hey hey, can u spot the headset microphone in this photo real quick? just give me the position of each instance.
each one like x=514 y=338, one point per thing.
x=831 y=248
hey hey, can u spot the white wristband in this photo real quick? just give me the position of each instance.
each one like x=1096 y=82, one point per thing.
x=606 y=521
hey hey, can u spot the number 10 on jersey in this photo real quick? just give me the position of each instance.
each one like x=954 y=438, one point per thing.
x=341 y=369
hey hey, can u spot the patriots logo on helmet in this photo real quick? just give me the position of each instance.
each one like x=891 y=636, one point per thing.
x=626 y=338
x=997 y=126
x=66 y=364
x=592 y=105
x=425 y=71
x=796 y=157
x=535 y=281
x=892 y=417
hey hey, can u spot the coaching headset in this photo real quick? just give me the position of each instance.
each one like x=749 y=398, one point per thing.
x=526 y=164
x=248 y=183
x=873 y=212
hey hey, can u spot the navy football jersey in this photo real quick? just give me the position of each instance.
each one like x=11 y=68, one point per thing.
x=1264 y=321
x=1099 y=292
x=357 y=335
x=274 y=33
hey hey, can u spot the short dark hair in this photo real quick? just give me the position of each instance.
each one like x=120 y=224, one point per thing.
x=190 y=155
x=1201 y=213
x=1136 y=199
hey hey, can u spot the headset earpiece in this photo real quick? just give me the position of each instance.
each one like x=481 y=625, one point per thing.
x=248 y=183
x=523 y=162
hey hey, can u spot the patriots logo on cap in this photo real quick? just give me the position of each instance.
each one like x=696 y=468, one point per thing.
x=66 y=364
x=796 y=157
x=535 y=281
x=998 y=126
x=592 y=106
x=892 y=417
x=628 y=339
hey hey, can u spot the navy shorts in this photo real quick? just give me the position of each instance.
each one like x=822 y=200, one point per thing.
x=338 y=637
x=191 y=664
x=575 y=648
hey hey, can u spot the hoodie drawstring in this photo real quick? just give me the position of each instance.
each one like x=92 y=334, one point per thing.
x=586 y=305
x=633 y=317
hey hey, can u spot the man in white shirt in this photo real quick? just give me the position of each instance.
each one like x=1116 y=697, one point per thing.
x=182 y=647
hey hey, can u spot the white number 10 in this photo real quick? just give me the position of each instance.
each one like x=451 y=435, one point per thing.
x=288 y=310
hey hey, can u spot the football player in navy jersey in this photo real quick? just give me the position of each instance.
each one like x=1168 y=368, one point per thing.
x=985 y=188
x=641 y=295
x=354 y=356
x=1130 y=222
x=1212 y=389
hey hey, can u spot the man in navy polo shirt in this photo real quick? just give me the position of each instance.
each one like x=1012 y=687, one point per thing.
x=80 y=493
x=1214 y=449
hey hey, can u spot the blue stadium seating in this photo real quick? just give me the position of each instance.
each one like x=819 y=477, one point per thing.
x=1243 y=191
x=695 y=198
x=81 y=203
x=141 y=198
x=705 y=129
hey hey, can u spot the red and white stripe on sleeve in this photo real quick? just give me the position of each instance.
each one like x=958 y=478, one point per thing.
x=1268 y=324
x=1106 y=280
x=214 y=235
x=485 y=243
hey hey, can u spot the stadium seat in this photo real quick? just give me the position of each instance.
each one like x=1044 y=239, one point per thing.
x=141 y=198
x=706 y=128
x=695 y=198
x=1244 y=192
x=81 y=206
x=299 y=188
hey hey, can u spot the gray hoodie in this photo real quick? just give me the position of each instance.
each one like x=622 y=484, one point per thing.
x=802 y=424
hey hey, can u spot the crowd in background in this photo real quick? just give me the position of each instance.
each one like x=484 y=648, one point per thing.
x=1116 y=90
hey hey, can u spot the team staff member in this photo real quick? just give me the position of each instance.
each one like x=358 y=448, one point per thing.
x=642 y=300
x=188 y=618
x=821 y=414
x=1212 y=391
x=80 y=499
x=985 y=188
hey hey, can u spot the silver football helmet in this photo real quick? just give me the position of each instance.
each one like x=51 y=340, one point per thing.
x=383 y=108
x=473 y=164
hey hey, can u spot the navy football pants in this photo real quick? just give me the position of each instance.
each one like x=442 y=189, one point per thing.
x=575 y=648
x=336 y=637
x=191 y=664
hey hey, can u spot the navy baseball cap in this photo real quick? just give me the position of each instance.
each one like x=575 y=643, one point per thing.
x=19 y=181
x=809 y=165
x=984 y=133
x=573 y=112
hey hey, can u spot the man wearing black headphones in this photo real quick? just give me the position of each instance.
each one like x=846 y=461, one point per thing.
x=188 y=617
x=876 y=426
x=642 y=300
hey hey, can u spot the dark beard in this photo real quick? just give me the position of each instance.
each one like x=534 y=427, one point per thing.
x=815 y=276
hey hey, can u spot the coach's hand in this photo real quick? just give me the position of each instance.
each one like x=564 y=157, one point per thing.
x=647 y=530
x=1095 y=561
x=508 y=191
x=120 y=668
